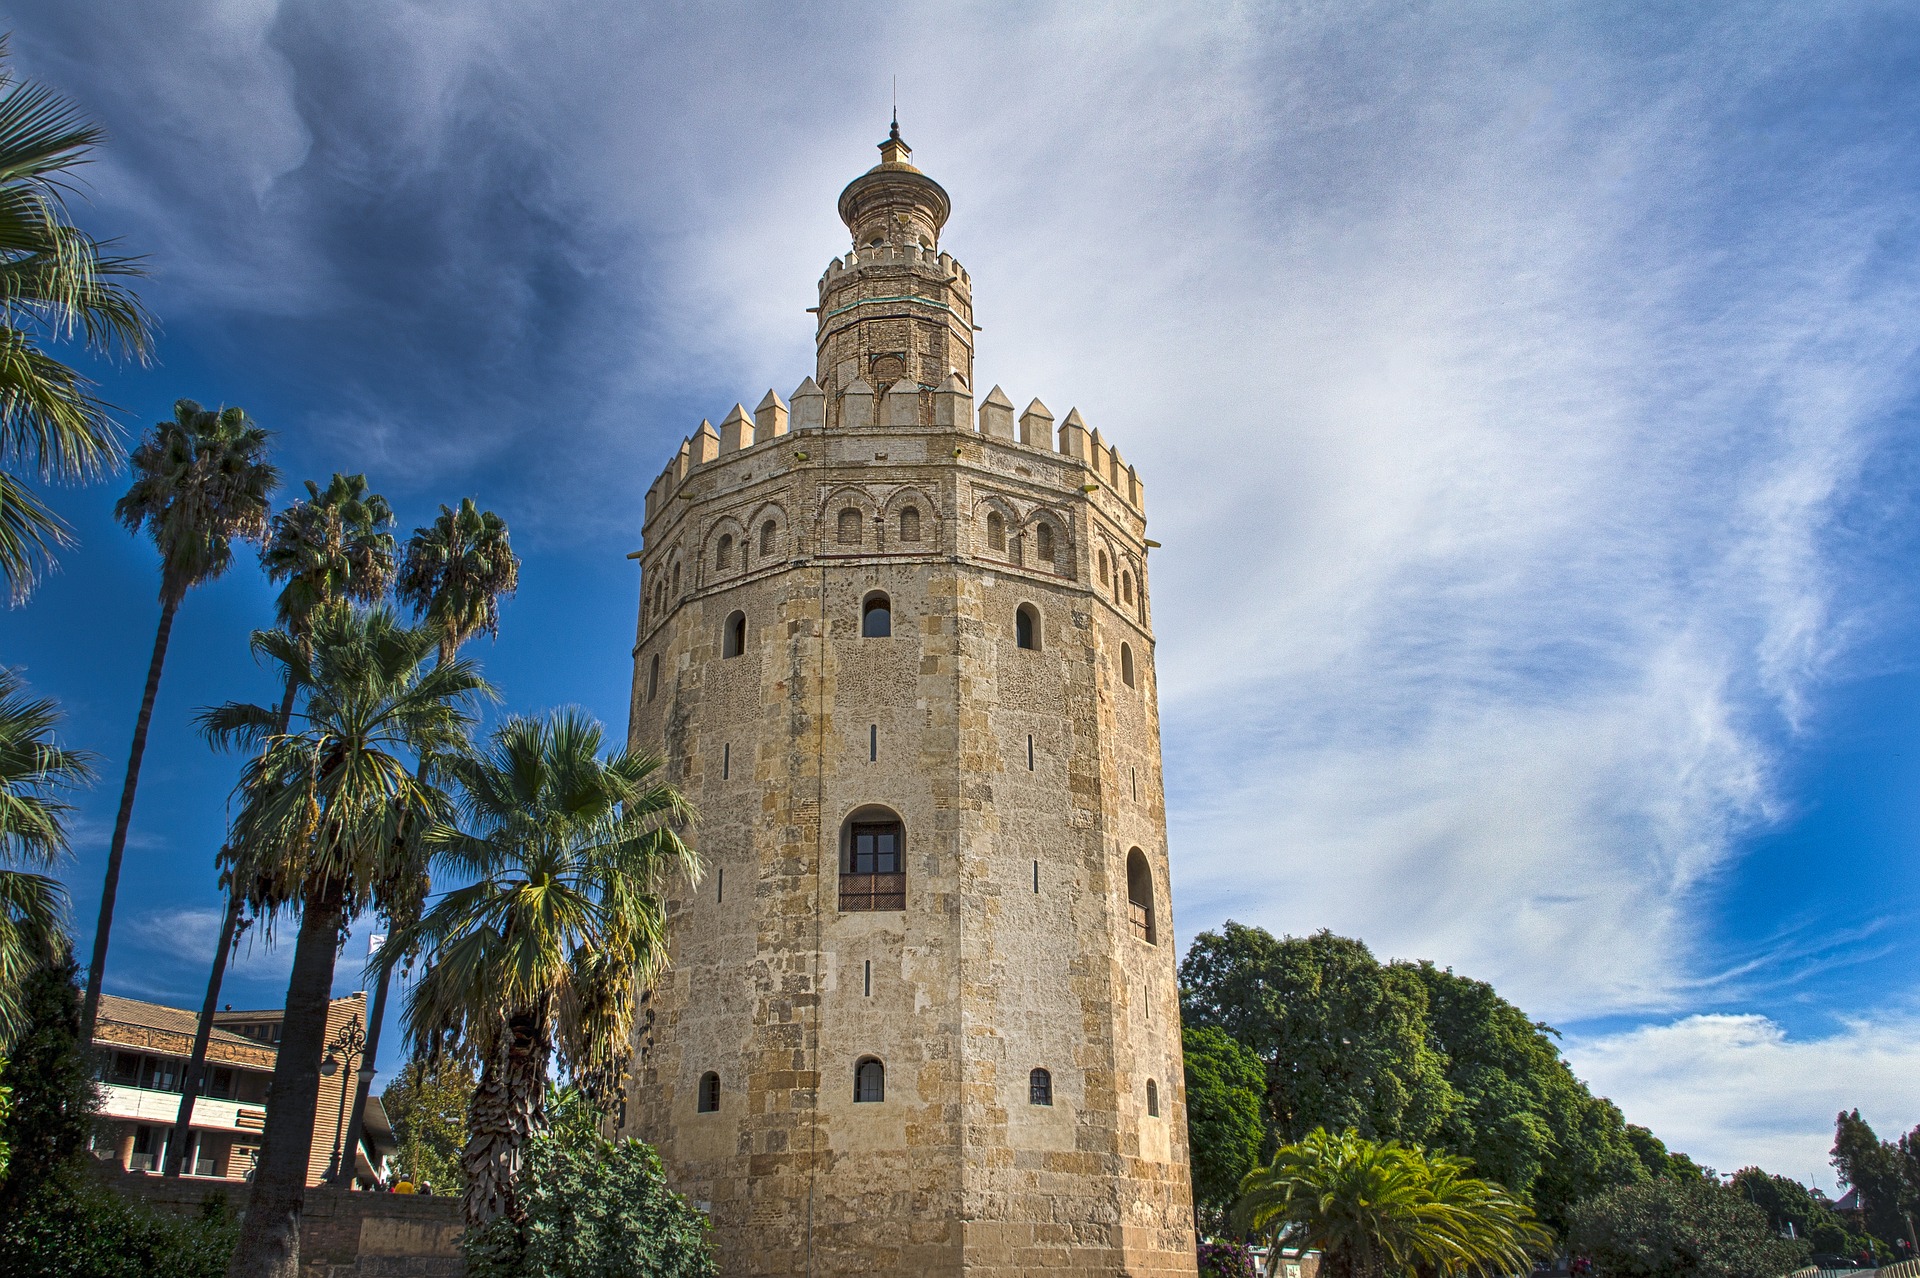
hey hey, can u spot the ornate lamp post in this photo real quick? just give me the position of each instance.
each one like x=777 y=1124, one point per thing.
x=346 y=1046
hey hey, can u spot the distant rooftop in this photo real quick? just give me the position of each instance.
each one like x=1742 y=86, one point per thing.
x=157 y=1016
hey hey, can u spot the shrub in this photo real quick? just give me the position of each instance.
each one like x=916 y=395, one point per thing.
x=1679 y=1228
x=595 y=1208
x=1225 y=1260
x=72 y=1226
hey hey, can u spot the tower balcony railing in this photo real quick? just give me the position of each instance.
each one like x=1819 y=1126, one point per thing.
x=873 y=892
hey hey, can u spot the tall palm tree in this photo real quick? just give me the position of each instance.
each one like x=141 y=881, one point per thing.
x=454 y=574
x=201 y=482
x=323 y=806
x=56 y=283
x=1380 y=1209
x=568 y=854
x=34 y=769
x=331 y=550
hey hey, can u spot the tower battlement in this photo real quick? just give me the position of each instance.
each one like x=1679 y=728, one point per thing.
x=921 y=1019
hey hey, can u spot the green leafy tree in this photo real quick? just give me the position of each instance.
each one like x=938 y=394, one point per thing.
x=318 y=834
x=35 y=771
x=592 y=1208
x=566 y=855
x=1680 y=1227
x=1380 y=1208
x=428 y=1106
x=54 y=1096
x=200 y=483
x=1873 y=1167
x=1793 y=1211
x=56 y=283
x=1345 y=1039
x=1225 y=1085
x=1522 y=1118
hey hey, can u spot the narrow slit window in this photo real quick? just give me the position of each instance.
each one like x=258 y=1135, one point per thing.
x=1136 y=781
x=720 y=895
x=1029 y=752
x=726 y=761
x=1103 y=567
x=873 y=742
x=709 y=1093
x=868 y=978
x=876 y=616
x=849 y=529
x=1036 y=878
x=676 y=581
x=1039 y=1088
x=653 y=676
x=1126 y=587
x=1126 y=664
x=1153 y=1099
x=996 y=531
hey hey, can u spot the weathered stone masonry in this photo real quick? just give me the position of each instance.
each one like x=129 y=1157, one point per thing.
x=1023 y=780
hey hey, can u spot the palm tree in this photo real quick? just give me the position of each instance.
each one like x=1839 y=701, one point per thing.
x=34 y=769
x=454 y=575
x=318 y=834
x=56 y=283
x=1376 y=1209
x=201 y=482
x=331 y=550
x=561 y=925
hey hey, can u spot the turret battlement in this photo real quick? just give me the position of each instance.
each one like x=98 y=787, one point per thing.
x=948 y=407
x=910 y=253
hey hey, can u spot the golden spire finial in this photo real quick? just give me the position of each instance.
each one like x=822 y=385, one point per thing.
x=894 y=150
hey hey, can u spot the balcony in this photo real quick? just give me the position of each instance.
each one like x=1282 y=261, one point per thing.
x=141 y=1105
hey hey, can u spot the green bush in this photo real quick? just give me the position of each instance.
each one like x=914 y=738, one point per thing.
x=1689 y=1227
x=595 y=1208
x=72 y=1226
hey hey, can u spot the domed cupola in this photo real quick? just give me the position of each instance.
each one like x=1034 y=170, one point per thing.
x=893 y=202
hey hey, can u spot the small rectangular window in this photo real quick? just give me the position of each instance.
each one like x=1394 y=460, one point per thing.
x=721 y=894
x=873 y=742
x=726 y=761
x=1029 y=752
x=1036 y=878
x=869 y=978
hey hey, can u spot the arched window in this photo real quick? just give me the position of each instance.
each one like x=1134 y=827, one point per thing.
x=653 y=676
x=733 y=641
x=1039 y=1088
x=869 y=1081
x=1126 y=664
x=1103 y=567
x=996 y=531
x=1153 y=1099
x=849 y=533
x=723 y=556
x=676 y=581
x=873 y=861
x=910 y=524
x=709 y=1102
x=1043 y=543
x=767 y=532
x=1140 y=897
x=1026 y=627
x=876 y=616
x=1126 y=587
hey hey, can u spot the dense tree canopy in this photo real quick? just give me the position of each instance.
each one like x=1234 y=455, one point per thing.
x=1884 y=1175
x=1685 y=1227
x=1414 y=1053
x=1793 y=1211
x=1225 y=1085
x=427 y=1105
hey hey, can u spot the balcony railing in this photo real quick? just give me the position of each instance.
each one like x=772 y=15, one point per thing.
x=873 y=891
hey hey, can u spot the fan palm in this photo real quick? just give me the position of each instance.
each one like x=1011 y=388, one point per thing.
x=322 y=809
x=453 y=574
x=201 y=482
x=563 y=920
x=34 y=769
x=1376 y=1209
x=56 y=283
x=331 y=549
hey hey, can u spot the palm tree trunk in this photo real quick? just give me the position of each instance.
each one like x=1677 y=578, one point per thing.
x=203 y=1032
x=270 y=1232
x=508 y=1108
x=169 y=605
x=190 y=1081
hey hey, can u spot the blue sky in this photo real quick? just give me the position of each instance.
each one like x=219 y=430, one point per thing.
x=1524 y=395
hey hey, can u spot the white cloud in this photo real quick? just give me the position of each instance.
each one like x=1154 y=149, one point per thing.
x=187 y=936
x=1737 y=1091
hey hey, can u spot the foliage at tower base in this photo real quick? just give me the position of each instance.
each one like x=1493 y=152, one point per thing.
x=57 y=1219
x=1680 y=1228
x=1886 y=1177
x=592 y=1208
x=1225 y=1084
x=1410 y=1052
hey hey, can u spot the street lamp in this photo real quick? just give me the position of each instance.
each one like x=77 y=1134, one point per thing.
x=347 y=1045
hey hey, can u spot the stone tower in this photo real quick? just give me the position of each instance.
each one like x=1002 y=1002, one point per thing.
x=922 y=1015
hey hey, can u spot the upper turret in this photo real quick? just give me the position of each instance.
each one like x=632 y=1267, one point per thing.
x=896 y=310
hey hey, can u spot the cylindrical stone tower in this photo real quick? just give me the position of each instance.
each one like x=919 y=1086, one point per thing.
x=922 y=1015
